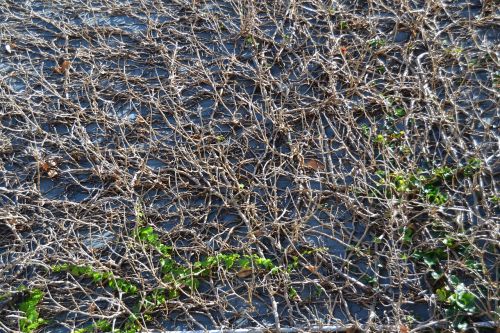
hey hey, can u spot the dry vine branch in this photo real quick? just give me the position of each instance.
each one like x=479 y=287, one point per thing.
x=270 y=164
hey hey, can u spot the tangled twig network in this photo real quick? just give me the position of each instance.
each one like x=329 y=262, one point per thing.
x=286 y=166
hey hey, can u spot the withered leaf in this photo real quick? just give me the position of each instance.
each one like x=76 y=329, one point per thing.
x=311 y=268
x=92 y=308
x=258 y=233
x=352 y=329
x=244 y=273
x=140 y=120
x=44 y=166
x=403 y=329
x=314 y=165
x=62 y=67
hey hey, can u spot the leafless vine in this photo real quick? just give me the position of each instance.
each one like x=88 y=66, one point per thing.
x=343 y=140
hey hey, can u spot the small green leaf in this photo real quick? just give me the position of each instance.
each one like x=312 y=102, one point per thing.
x=378 y=239
x=380 y=139
x=430 y=260
x=365 y=129
x=462 y=325
x=442 y=294
x=473 y=264
x=294 y=264
x=274 y=270
x=436 y=275
x=264 y=262
x=449 y=242
x=31 y=321
x=399 y=112
x=103 y=325
x=443 y=172
x=97 y=277
x=376 y=43
x=192 y=283
x=473 y=165
x=244 y=262
x=408 y=235
x=145 y=233
x=173 y=293
x=164 y=249
x=343 y=25
x=230 y=259
x=454 y=280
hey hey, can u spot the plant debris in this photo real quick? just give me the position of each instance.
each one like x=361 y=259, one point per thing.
x=250 y=165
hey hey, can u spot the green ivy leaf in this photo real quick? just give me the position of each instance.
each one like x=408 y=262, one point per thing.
x=408 y=235
x=399 y=112
x=462 y=325
x=436 y=275
x=442 y=294
x=31 y=321
x=454 y=280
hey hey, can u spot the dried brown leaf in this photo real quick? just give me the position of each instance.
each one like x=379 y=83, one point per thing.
x=311 y=268
x=314 y=165
x=352 y=329
x=62 y=67
x=44 y=166
x=244 y=273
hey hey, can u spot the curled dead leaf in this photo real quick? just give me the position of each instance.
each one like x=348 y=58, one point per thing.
x=352 y=329
x=244 y=273
x=63 y=66
x=48 y=167
x=92 y=308
x=258 y=233
x=44 y=166
x=311 y=268
x=403 y=329
x=314 y=165
x=140 y=120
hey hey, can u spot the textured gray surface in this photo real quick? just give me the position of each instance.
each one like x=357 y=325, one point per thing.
x=251 y=128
